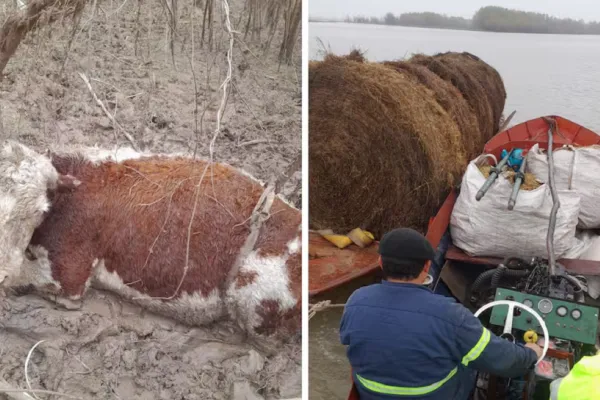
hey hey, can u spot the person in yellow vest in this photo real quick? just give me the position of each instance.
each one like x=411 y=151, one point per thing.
x=582 y=383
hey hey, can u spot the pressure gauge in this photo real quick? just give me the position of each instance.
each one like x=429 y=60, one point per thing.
x=576 y=314
x=561 y=311
x=528 y=303
x=545 y=306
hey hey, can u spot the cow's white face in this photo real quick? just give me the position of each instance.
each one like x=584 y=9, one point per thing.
x=25 y=178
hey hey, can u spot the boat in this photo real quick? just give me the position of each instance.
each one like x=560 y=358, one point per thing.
x=330 y=267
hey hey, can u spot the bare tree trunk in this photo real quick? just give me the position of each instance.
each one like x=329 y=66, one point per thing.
x=273 y=15
x=18 y=25
x=292 y=28
x=173 y=29
x=138 y=29
x=207 y=23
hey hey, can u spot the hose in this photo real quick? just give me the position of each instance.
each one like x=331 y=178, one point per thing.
x=579 y=295
x=516 y=263
x=484 y=276
x=516 y=273
x=495 y=275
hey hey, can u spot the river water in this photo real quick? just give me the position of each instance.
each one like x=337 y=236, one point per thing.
x=543 y=74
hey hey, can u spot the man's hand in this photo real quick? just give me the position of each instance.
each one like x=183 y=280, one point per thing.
x=538 y=350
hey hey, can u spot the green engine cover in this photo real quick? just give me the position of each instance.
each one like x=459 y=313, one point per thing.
x=564 y=319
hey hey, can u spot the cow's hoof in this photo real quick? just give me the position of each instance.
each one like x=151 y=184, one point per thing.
x=69 y=304
x=63 y=302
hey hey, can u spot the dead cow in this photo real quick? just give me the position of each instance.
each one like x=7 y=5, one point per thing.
x=25 y=178
x=126 y=228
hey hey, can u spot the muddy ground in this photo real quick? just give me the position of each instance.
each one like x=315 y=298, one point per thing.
x=111 y=349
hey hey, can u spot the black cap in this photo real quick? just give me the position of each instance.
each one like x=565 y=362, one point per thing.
x=405 y=246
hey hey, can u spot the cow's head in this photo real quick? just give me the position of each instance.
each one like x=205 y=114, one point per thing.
x=25 y=179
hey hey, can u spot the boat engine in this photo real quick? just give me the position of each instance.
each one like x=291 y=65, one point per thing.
x=543 y=308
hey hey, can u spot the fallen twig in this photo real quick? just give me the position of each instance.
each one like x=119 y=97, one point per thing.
x=16 y=395
x=27 y=365
x=253 y=142
x=103 y=107
x=22 y=394
x=38 y=391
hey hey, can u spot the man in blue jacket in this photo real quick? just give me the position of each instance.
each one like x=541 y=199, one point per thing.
x=406 y=342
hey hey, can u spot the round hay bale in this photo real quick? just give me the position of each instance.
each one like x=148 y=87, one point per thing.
x=479 y=83
x=489 y=78
x=382 y=152
x=450 y=98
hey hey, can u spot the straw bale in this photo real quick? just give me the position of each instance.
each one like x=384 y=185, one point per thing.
x=382 y=152
x=450 y=98
x=479 y=83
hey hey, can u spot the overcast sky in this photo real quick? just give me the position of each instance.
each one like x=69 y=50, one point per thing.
x=588 y=10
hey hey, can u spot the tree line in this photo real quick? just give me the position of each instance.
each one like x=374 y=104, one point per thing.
x=491 y=19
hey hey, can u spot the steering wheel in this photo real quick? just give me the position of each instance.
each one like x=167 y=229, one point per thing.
x=509 y=319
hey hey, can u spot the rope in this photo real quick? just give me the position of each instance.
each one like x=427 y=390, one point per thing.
x=555 y=199
x=320 y=306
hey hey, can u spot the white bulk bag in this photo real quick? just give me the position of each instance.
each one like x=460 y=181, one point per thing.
x=575 y=169
x=488 y=228
x=593 y=254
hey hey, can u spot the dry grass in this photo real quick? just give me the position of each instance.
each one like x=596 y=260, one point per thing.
x=388 y=140
x=450 y=98
x=478 y=82
x=383 y=152
x=530 y=182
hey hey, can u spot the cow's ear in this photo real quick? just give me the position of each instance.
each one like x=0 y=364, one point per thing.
x=67 y=183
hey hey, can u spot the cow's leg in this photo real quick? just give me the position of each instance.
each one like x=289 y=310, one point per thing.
x=259 y=299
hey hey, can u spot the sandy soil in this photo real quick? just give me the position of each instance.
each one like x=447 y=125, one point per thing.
x=111 y=349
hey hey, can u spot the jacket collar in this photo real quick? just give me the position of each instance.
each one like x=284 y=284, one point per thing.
x=399 y=285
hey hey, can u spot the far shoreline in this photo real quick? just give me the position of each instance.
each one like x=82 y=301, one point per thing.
x=448 y=29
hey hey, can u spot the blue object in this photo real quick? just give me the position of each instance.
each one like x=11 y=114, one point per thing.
x=515 y=160
x=402 y=337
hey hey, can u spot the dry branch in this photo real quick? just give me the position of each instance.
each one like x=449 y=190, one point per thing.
x=38 y=12
x=12 y=393
x=252 y=142
x=103 y=107
x=27 y=365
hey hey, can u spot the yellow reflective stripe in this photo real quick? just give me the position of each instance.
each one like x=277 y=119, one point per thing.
x=403 y=391
x=478 y=348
